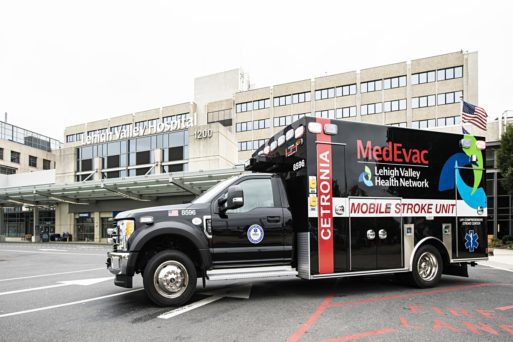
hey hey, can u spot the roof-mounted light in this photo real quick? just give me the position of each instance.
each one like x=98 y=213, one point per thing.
x=266 y=150
x=289 y=135
x=274 y=145
x=315 y=127
x=281 y=140
x=481 y=144
x=330 y=129
x=298 y=133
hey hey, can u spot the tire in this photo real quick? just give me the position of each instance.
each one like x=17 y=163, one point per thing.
x=169 y=278
x=427 y=267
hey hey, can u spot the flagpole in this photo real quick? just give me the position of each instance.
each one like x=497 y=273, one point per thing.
x=461 y=115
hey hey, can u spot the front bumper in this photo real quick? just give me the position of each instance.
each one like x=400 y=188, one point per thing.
x=117 y=263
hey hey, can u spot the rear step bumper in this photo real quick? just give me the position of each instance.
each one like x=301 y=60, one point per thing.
x=251 y=273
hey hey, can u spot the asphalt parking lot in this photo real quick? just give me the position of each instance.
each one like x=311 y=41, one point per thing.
x=62 y=292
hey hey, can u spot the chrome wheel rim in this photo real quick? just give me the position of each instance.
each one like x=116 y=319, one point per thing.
x=171 y=279
x=427 y=266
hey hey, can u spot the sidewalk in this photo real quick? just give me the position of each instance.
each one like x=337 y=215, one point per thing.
x=502 y=259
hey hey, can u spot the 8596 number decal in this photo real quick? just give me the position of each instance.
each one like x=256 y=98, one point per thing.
x=298 y=165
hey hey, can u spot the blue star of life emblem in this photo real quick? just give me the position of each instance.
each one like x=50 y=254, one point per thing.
x=471 y=241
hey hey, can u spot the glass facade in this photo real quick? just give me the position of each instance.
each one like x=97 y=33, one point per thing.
x=134 y=157
x=19 y=221
x=29 y=138
x=500 y=213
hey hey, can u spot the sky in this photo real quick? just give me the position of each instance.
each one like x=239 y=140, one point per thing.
x=68 y=62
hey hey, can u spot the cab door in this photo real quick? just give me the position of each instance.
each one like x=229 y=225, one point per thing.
x=376 y=239
x=254 y=233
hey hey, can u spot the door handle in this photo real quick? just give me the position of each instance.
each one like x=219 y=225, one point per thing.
x=273 y=219
x=371 y=234
x=382 y=234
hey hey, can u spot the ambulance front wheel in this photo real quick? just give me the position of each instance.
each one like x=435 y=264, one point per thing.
x=427 y=267
x=169 y=278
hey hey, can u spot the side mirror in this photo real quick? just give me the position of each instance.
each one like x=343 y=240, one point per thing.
x=233 y=199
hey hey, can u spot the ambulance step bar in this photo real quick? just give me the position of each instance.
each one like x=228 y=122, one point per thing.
x=252 y=273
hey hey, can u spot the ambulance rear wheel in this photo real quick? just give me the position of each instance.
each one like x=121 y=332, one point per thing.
x=427 y=267
x=169 y=278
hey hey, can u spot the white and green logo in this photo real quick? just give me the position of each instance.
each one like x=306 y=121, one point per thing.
x=365 y=177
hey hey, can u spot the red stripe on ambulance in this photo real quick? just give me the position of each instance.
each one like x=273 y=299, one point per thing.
x=325 y=201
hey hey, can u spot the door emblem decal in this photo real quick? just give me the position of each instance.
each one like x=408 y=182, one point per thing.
x=255 y=234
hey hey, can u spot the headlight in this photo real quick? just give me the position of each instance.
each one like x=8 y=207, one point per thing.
x=125 y=230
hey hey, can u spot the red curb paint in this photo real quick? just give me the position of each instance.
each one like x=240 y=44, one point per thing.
x=439 y=325
x=459 y=312
x=406 y=325
x=507 y=328
x=407 y=295
x=311 y=320
x=438 y=311
x=361 y=335
x=504 y=308
x=475 y=328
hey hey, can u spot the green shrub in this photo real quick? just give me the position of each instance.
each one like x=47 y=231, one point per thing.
x=507 y=239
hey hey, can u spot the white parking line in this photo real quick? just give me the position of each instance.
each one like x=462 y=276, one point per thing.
x=67 y=304
x=60 y=253
x=53 y=274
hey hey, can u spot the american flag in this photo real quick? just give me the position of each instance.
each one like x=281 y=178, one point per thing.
x=474 y=115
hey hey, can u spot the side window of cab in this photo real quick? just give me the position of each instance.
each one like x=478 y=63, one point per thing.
x=258 y=193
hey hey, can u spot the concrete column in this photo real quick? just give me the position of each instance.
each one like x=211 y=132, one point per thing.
x=97 y=165
x=35 y=219
x=3 y=228
x=157 y=156
x=97 y=226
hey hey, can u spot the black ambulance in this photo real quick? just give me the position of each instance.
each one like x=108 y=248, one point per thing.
x=321 y=199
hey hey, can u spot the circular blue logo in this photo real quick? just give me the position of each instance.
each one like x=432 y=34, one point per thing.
x=255 y=234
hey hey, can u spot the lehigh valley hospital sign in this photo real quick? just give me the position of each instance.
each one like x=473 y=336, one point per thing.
x=133 y=131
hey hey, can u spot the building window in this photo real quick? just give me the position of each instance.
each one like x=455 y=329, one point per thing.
x=448 y=98
x=327 y=114
x=172 y=118
x=1 y=153
x=252 y=125
x=345 y=90
x=286 y=120
x=423 y=77
x=250 y=145
x=252 y=105
x=423 y=101
x=5 y=170
x=392 y=106
x=47 y=165
x=440 y=122
x=74 y=137
x=450 y=73
x=371 y=108
x=223 y=116
x=345 y=112
x=398 y=124
x=291 y=99
x=394 y=82
x=370 y=86
x=15 y=157
x=32 y=161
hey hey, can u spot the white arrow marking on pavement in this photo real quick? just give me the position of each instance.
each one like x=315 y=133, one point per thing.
x=241 y=292
x=67 y=304
x=83 y=282
x=53 y=274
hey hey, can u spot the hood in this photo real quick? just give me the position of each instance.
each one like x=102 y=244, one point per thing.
x=163 y=210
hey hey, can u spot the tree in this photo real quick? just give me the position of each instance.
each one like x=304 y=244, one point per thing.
x=505 y=159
